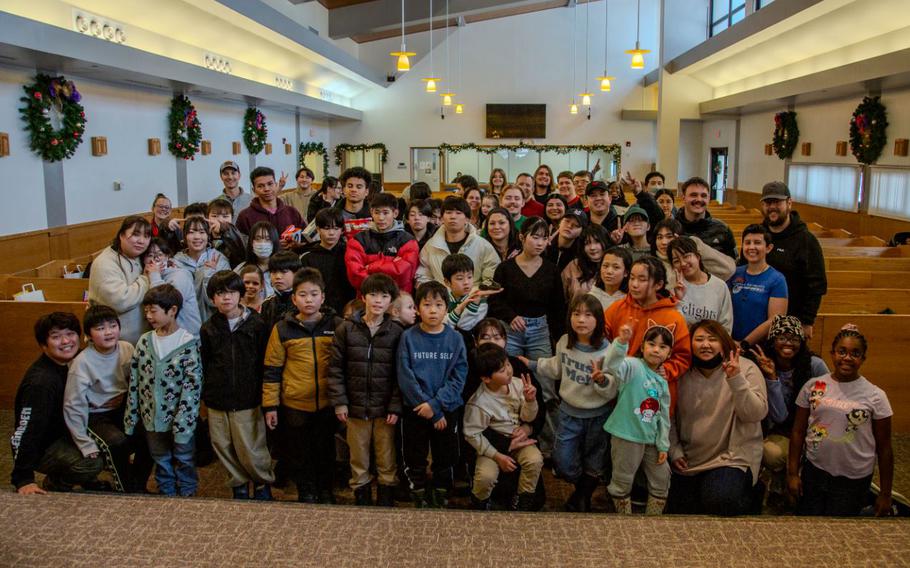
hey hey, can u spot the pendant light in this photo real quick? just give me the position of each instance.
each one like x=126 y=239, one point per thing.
x=432 y=80
x=459 y=107
x=573 y=108
x=447 y=97
x=605 y=79
x=586 y=96
x=404 y=64
x=638 y=54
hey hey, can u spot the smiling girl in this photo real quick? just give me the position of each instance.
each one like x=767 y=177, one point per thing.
x=580 y=275
x=201 y=260
x=613 y=280
x=701 y=296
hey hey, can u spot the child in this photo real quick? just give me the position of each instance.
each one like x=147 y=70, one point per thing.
x=581 y=443
x=327 y=256
x=403 y=310
x=417 y=222
x=295 y=390
x=226 y=239
x=164 y=392
x=636 y=225
x=282 y=266
x=253 y=284
x=352 y=307
x=432 y=365
x=95 y=393
x=613 y=282
x=364 y=391
x=232 y=349
x=503 y=403
x=580 y=275
x=758 y=291
x=384 y=247
x=159 y=255
x=488 y=202
x=639 y=426
x=262 y=245
x=701 y=296
x=466 y=306
x=844 y=421
x=200 y=259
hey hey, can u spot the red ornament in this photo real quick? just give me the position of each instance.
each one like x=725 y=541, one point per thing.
x=178 y=145
x=37 y=95
x=53 y=141
x=82 y=114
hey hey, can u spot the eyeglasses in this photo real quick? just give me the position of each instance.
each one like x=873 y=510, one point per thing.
x=788 y=338
x=854 y=354
x=163 y=207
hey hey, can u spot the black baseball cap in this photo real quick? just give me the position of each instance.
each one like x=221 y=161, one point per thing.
x=596 y=186
x=578 y=216
x=775 y=190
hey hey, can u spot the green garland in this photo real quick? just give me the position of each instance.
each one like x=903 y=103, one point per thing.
x=614 y=149
x=314 y=148
x=786 y=134
x=185 y=131
x=56 y=93
x=255 y=131
x=342 y=148
x=867 y=130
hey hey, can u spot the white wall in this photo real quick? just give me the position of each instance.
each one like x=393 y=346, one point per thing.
x=755 y=168
x=519 y=59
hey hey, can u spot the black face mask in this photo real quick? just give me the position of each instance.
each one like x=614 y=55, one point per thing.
x=711 y=363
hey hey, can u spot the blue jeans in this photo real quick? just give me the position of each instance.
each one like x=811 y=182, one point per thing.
x=533 y=342
x=175 y=472
x=581 y=445
x=724 y=491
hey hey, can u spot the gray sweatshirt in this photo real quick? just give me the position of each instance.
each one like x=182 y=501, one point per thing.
x=501 y=412
x=94 y=380
x=710 y=300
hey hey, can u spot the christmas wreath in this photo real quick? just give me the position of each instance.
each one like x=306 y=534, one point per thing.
x=342 y=148
x=314 y=148
x=867 y=130
x=185 y=132
x=254 y=130
x=786 y=134
x=53 y=117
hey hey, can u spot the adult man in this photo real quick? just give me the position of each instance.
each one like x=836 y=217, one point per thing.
x=580 y=180
x=531 y=207
x=41 y=441
x=355 y=183
x=299 y=199
x=600 y=210
x=654 y=182
x=567 y=190
x=230 y=177
x=796 y=253
x=456 y=235
x=696 y=220
x=266 y=206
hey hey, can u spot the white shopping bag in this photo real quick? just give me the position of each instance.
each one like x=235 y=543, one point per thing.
x=77 y=273
x=29 y=294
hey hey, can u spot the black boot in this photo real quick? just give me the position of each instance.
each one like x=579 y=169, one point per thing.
x=526 y=501
x=326 y=497
x=363 y=496
x=580 y=500
x=480 y=504
x=263 y=493
x=385 y=496
x=306 y=493
x=241 y=491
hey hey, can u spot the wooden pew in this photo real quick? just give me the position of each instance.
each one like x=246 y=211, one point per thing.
x=832 y=242
x=871 y=263
x=57 y=268
x=866 y=300
x=867 y=279
x=868 y=252
x=55 y=289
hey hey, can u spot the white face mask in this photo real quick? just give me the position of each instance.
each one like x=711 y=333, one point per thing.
x=262 y=250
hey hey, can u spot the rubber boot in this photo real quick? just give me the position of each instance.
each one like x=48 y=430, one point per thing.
x=241 y=491
x=385 y=496
x=363 y=496
x=623 y=505
x=262 y=493
x=655 y=506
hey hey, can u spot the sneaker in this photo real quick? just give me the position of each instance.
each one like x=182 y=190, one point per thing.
x=480 y=504
x=241 y=491
x=263 y=493
x=385 y=496
x=326 y=497
x=363 y=496
x=306 y=493
x=526 y=501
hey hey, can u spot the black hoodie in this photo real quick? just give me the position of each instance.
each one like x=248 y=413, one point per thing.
x=798 y=255
x=338 y=289
x=713 y=232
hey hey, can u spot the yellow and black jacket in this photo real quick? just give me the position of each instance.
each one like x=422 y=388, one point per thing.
x=296 y=363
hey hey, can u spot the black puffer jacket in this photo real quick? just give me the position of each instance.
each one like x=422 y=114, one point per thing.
x=232 y=363
x=798 y=255
x=362 y=373
x=713 y=232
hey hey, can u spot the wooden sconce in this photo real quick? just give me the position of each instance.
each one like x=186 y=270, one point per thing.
x=235 y=148
x=287 y=149
x=268 y=148
x=154 y=146
x=841 y=148
x=4 y=144
x=99 y=146
x=900 y=147
x=769 y=149
x=806 y=149
x=206 y=147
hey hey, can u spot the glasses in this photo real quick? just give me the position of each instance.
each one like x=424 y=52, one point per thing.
x=155 y=257
x=489 y=336
x=788 y=338
x=855 y=354
x=163 y=207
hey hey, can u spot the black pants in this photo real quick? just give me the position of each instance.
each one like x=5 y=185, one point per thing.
x=418 y=438
x=65 y=466
x=309 y=446
x=106 y=428
x=724 y=491
x=831 y=495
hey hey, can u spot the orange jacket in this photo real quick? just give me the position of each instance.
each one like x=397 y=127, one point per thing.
x=663 y=312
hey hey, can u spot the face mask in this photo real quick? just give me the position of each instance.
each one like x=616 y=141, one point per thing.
x=711 y=363
x=262 y=250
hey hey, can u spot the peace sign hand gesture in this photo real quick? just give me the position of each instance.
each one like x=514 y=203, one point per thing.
x=679 y=289
x=731 y=365
x=765 y=363
x=529 y=391
x=597 y=373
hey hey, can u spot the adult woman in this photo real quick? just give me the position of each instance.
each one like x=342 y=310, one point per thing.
x=328 y=196
x=262 y=244
x=497 y=181
x=758 y=291
x=162 y=225
x=664 y=198
x=473 y=196
x=118 y=279
x=554 y=210
x=500 y=231
x=716 y=437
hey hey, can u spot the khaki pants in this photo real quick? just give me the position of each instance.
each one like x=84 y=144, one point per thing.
x=486 y=472
x=627 y=457
x=776 y=452
x=362 y=434
x=239 y=441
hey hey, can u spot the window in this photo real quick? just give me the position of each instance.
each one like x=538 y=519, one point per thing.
x=514 y=162
x=725 y=13
x=889 y=192
x=369 y=159
x=759 y=4
x=825 y=185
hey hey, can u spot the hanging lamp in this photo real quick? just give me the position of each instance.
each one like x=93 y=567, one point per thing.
x=586 y=96
x=605 y=79
x=638 y=54
x=432 y=80
x=404 y=64
x=459 y=108
x=573 y=108
x=447 y=97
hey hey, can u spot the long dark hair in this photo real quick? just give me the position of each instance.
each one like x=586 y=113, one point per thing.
x=272 y=233
x=657 y=272
x=593 y=305
x=513 y=243
x=625 y=255
x=588 y=268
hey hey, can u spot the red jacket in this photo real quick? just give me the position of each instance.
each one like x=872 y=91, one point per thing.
x=394 y=252
x=533 y=208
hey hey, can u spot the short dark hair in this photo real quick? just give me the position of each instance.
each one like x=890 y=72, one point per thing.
x=727 y=344
x=356 y=172
x=757 y=229
x=379 y=283
x=422 y=205
x=654 y=175
x=664 y=191
x=329 y=218
x=165 y=297
x=55 y=320
x=384 y=200
x=593 y=305
x=487 y=323
x=582 y=173
x=657 y=331
x=435 y=203
x=163 y=245
x=225 y=281
x=98 y=314
x=261 y=171
x=430 y=290
x=467 y=182
x=489 y=358
x=420 y=190
x=284 y=260
x=137 y=223
x=221 y=205
x=198 y=208
x=694 y=181
x=565 y=174
x=623 y=254
x=455 y=263
x=456 y=203
x=194 y=221
x=684 y=245
x=308 y=276
x=327 y=182
x=308 y=171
